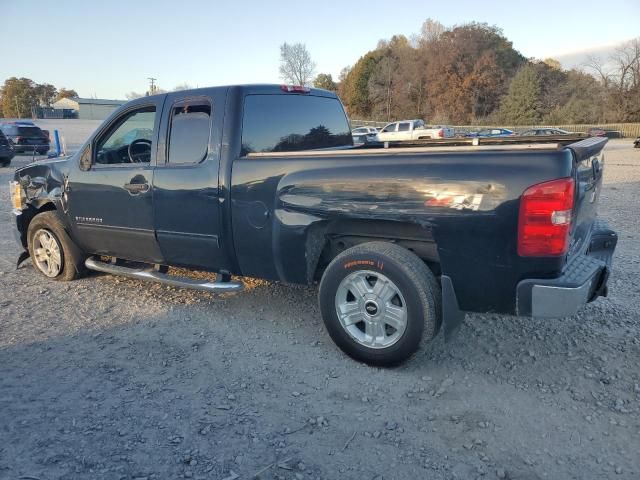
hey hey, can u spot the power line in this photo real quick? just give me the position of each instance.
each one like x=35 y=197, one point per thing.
x=152 y=84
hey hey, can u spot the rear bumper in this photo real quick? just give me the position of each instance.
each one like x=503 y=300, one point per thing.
x=583 y=280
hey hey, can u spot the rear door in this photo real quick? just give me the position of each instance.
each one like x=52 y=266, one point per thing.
x=186 y=195
x=404 y=131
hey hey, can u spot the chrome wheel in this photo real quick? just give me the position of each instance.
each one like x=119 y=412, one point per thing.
x=371 y=309
x=47 y=253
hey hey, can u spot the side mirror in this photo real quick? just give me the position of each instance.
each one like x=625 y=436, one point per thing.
x=85 y=159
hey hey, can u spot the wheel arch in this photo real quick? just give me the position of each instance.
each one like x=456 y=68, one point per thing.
x=326 y=242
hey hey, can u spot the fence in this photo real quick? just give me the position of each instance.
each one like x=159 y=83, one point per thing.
x=624 y=129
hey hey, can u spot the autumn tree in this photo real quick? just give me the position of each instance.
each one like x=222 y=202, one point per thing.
x=296 y=66
x=325 y=81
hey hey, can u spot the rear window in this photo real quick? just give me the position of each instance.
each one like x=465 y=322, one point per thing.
x=189 y=132
x=30 y=132
x=287 y=123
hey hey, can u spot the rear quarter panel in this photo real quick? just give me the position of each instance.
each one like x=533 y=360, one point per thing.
x=466 y=202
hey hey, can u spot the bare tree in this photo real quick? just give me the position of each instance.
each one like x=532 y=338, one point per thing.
x=431 y=30
x=296 y=66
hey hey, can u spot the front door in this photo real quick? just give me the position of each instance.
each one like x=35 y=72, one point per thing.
x=186 y=194
x=109 y=196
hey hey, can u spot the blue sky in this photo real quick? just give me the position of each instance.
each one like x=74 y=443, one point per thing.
x=109 y=48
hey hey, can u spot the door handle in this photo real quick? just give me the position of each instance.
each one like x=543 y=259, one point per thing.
x=136 y=188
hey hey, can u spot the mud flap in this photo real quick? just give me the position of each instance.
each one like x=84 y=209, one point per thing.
x=23 y=256
x=452 y=316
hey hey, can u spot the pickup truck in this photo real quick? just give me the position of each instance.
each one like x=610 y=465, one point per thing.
x=408 y=130
x=263 y=181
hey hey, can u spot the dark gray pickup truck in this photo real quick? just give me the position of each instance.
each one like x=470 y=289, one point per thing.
x=264 y=181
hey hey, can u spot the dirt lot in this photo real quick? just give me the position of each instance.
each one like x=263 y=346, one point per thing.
x=108 y=378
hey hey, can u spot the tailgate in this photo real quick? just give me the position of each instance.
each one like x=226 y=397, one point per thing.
x=589 y=163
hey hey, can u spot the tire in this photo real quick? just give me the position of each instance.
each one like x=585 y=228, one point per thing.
x=46 y=232
x=370 y=327
x=5 y=163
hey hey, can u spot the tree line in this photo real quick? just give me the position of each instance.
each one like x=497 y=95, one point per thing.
x=19 y=95
x=471 y=74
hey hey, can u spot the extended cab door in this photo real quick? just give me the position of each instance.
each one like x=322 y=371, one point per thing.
x=186 y=194
x=108 y=193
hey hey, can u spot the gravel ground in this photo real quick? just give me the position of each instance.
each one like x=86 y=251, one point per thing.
x=110 y=378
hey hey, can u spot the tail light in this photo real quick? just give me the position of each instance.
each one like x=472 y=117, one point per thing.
x=441 y=133
x=544 y=223
x=294 y=89
x=19 y=139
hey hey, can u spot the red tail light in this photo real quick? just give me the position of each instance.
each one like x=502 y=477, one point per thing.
x=441 y=133
x=545 y=218
x=294 y=88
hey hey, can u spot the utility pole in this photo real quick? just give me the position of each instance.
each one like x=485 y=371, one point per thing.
x=152 y=83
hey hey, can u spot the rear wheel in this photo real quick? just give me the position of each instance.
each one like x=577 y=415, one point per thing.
x=378 y=301
x=50 y=252
x=5 y=163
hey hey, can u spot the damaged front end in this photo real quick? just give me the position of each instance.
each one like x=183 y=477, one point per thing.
x=35 y=188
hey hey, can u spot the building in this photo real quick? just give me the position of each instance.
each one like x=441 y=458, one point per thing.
x=89 y=108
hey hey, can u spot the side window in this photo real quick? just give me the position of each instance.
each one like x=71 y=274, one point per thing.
x=128 y=141
x=496 y=132
x=189 y=130
x=288 y=123
x=390 y=128
x=404 y=127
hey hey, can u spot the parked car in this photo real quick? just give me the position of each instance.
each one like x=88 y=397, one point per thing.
x=596 y=132
x=263 y=181
x=544 y=131
x=491 y=132
x=636 y=143
x=6 y=151
x=26 y=137
x=407 y=130
x=370 y=135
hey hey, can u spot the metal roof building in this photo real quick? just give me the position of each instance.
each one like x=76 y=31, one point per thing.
x=89 y=108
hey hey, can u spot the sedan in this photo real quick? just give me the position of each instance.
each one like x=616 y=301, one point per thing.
x=544 y=131
x=6 y=151
x=491 y=132
x=370 y=132
x=596 y=132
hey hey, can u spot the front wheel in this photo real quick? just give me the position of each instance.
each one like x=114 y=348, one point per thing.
x=378 y=300
x=50 y=252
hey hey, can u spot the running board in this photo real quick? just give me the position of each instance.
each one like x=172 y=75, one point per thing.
x=150 y=275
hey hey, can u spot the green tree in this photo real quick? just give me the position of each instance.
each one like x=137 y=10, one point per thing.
x=18 y=96
x=354 y=89
x=66 y=93
x=45 y=94
x=522 y=106
x=325 y=81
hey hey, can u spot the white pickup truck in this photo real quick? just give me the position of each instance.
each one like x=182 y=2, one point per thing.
x=413 y=130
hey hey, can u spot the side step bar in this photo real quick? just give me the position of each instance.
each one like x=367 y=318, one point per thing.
x=151 y=275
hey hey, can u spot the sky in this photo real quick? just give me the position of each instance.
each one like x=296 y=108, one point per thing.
x=106 y=49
